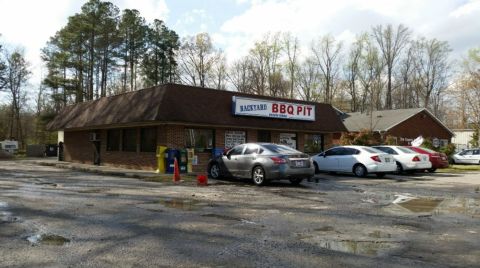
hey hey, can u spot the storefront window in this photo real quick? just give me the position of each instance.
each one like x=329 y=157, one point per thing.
x=233 y=138
x=200 y=139
x=148 y=139
x=113 y=139
x=129 y=140
x=313 y=143
x=289 y=139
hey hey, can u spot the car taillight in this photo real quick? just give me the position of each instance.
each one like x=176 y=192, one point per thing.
x=278 y=160
x=416 y=159
x=376 y=158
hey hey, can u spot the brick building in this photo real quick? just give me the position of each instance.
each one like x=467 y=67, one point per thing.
x=124 y=130
x=403 y=124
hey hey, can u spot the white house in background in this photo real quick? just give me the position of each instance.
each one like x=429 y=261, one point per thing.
x=462 y=138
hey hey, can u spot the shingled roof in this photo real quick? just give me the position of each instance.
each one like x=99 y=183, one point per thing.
x=172 y=103
x=382 y=120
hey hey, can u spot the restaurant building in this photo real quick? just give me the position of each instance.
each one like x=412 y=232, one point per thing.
x=124 y=130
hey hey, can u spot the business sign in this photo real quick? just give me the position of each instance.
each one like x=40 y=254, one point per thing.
x=273 y=109
x=233 y=138
x=289 y=139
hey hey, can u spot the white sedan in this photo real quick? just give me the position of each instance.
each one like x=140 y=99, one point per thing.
x=360 y=160
x=470 y=156
x=406 y=159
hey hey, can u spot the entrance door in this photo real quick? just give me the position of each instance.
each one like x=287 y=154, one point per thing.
x=264 y=136
x=96 y=153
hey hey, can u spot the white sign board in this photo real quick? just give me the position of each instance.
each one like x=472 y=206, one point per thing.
x=273 y=109
x=233 y=138
x=289 y=139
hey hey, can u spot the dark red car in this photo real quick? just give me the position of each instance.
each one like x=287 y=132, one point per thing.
x=439 y=160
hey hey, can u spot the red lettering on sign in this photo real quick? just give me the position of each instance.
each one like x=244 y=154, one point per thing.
x=282 y=108
x=290 y=109
x=274 y=108
x=300 y=110
x=309 y=109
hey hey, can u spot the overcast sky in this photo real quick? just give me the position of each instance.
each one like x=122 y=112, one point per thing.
x=236 y=24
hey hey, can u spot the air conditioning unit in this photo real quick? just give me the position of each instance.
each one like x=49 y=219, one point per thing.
x=93 y=136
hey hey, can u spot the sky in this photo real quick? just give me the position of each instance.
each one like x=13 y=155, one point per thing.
x=236 y=24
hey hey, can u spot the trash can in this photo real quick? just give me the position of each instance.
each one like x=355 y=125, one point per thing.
x=51 y=150
x=217 y=152
x=182 y=162
x=171 y=154
x=161 y=159
x=190 y=155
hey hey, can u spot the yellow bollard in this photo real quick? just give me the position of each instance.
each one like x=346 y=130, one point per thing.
x=161 y=159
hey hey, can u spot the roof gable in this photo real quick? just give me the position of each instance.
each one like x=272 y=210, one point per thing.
x=380 y=121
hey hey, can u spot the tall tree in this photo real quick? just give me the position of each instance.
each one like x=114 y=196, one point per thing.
x=159 y=64
x=351 y=70
x=391 y=42
x=16 y=77
x=291 y=45
x=132 y=30
x=309 y=80
x=327 y=55
x=240 y=75
x=432 y=69
x=3 y=68
x=197 y=57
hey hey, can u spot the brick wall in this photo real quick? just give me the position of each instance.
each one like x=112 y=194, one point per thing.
x=78 y=148
x=420 y=124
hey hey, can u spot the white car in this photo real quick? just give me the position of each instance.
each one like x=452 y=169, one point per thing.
x=406 y=158
x=469 y=156
x=360 y=160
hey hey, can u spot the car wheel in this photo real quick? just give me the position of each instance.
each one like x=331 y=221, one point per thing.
x=258 y=176
x=431 y=170
x=296 y=181
x=380 y=175
x=399 y=168
x=214 y=171
x=316 y=167
x=360 y=170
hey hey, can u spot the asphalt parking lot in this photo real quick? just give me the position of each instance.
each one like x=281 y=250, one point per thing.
x=53 y=217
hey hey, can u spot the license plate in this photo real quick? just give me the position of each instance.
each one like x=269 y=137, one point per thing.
x=299 y=163
x=424 y=158
x=387 y=159
x=444 y=158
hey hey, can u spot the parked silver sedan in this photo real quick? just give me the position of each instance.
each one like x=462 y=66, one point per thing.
x=262 y=162
x=469 y=156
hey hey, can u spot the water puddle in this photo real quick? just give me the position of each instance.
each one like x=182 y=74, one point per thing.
x=325 y=229
x=421 y=205
x=366 y=247
x=434 y=206
x=181 y=204
x=47 y=183
x=379 y=234
x=48 y=239
x=222 y=217
x=91 y=191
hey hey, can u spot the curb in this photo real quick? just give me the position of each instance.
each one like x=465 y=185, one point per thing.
x=150 y=177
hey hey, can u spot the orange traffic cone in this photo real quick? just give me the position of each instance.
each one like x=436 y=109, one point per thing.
x=176 y=171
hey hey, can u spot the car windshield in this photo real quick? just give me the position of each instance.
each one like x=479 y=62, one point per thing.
x=406 y=150
x=279 y=149
x=372 y=150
